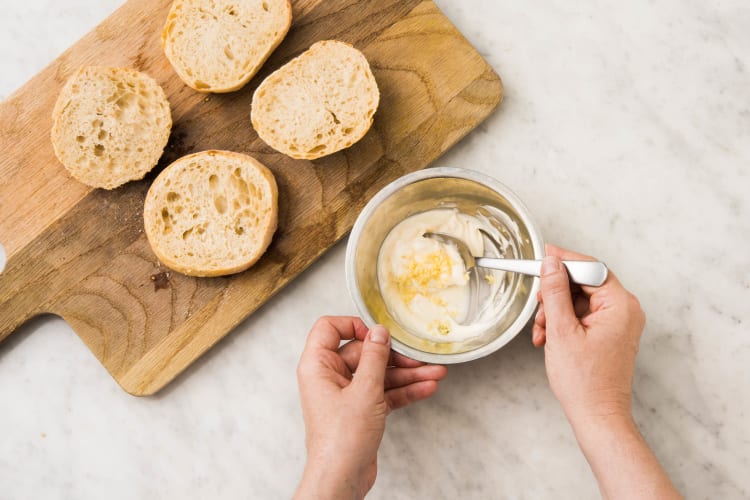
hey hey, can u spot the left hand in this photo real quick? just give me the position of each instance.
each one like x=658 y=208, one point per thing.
x=346 y=394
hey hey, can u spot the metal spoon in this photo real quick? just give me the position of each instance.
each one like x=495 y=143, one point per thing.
x=583 y=272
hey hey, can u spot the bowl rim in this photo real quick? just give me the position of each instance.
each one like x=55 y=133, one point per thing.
x=430 y=173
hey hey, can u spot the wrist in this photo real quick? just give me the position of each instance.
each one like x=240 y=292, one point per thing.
x=595 y=431
x=330 y=477
x=615 y=409
x=620 y=458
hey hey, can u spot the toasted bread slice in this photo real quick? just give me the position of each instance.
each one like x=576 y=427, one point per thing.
x=318 y=103
x=218 y=45
x=211 y=213
x=110 y=125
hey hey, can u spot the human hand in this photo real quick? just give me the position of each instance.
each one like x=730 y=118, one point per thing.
x=591 y=337
x=346 y=394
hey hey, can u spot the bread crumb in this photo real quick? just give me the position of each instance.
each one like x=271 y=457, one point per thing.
x=161 y=281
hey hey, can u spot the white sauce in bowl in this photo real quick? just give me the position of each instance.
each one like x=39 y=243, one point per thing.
x=425 y=285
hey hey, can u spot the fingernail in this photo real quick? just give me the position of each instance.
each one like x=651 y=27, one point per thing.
x=550 y=265
x=379 y=334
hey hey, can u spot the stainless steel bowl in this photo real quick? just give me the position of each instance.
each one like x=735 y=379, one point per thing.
x=469 y=192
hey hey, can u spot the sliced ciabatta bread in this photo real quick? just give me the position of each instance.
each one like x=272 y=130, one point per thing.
x=218 y=45
x=211 y=213
x=110 y=125
x=318 y=103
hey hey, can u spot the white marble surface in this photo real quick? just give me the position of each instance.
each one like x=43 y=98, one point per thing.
x=626 y=129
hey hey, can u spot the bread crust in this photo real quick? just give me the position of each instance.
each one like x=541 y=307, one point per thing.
x=155 y=200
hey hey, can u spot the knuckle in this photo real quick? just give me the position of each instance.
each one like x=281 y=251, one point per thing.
x=634 y=305
x=321 y=321
x=556 y=285
x=635 y=311
x=303 y=369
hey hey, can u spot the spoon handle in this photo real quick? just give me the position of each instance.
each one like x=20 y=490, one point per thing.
x=583 y=272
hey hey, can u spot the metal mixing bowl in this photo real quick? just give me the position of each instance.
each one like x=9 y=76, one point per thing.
x=470 y=192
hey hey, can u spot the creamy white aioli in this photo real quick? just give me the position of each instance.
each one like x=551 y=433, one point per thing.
x=424 y=283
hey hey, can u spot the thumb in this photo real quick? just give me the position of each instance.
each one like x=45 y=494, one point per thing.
x=370 y=374
x=556 y=296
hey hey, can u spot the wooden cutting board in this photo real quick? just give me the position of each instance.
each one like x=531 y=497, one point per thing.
x=82 y=254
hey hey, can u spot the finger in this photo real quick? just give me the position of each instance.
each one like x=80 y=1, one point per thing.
x=399 y=377
x=329 y=331
x=403 y=361
x=538 y=335
x=540 y=318
x=558 y=303
x=563 y=254
x=351 y=352
x=376 y=349
x=403 y=396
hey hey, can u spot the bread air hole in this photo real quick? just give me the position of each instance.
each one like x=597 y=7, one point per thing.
x=201 y=85
x=228 y=52
x=125 y=101
x=172 y=197
x=80 y=138
x=102 y=134
x=317 y=149
x=98 y=150
x=213 y=182
x=265 y=6
x=240 y=185
x=220 y=202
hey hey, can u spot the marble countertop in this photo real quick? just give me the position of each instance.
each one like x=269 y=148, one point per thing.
x=625 y=128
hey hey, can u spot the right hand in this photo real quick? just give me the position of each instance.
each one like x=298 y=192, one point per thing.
x=591 y=337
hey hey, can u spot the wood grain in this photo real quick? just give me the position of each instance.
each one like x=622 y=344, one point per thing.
x=81 y=253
